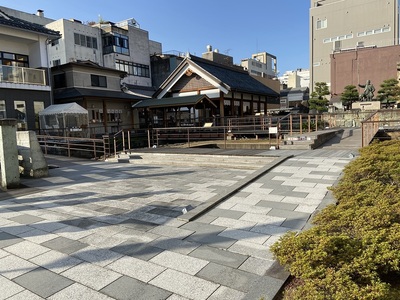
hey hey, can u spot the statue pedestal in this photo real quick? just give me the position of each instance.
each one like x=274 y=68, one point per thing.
x=366 y=105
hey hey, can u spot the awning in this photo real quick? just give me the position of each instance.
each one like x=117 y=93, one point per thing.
x=186 y=101
x=67 y=108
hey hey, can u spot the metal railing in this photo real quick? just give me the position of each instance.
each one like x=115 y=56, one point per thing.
x=379 y=120
x=77 y=147
x=22 y=75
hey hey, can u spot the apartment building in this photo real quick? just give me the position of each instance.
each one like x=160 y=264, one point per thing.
x=261 y=64
x=340 y=25
x=25 y=88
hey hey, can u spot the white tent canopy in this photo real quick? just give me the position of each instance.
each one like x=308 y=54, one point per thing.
x=67 y=108
x=62 y=119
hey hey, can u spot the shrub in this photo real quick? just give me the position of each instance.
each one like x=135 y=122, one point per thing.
x=353 y=249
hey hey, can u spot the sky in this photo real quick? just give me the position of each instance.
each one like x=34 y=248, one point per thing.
x=237 y=28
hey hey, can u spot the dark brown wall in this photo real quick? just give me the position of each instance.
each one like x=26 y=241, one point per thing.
x=356 y=67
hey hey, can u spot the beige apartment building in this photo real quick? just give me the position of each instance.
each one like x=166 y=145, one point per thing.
x=347 y=25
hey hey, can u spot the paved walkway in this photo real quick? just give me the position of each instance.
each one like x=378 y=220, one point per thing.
x=106 y=230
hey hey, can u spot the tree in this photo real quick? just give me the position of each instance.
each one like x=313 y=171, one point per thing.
x=318 y=100
x=349 y=95
x=389 y=92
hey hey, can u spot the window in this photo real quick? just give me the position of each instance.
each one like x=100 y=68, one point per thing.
x=133 y=68
x=85 y=41
x=59 y=81
x=38 y=106
x=115 y=43
x=3 y=109
x=20 y=114
x=12 y=59
x=100 y=81
x=322 y=24
x=56 y=62
x=338 y=45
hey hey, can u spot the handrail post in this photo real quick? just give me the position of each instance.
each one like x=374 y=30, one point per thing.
x=301 y=124
x=188 y=137
x=129 y=140
x=291 y=124
x=309 y=123
x=123 y=140
x=115 y=146
x=68 y=147
x=148 y=138
x=316 y=122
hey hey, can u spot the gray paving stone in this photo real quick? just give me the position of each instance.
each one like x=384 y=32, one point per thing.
x=64 y=245
x=203 y=228
x=175 y=245
x=98 y=256
x=264 y=288
x=12 y=266
x=136 y=268
x=178 y=233
x=232 y=214
x=219 y=256
x=138 y=250
x=7 y=239
x=251 y=249
x=277 y=205
x=256 y=265
x=91 y=275
x=233 y=278
x=8 y=288
x=26 y=219
x=185 y=285
x=226 y=293
x=78 y=291
x=211 y=239
x=165 y=212
x=138 y=224
x=24 y=295
x=179 y=262
x=26 y=249
x=126 y=288
x=55 y=261
x=42 y=282
x=246 y=235
x=83 y=223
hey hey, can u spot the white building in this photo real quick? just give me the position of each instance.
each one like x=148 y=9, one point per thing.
x=261 y=64
x=296 y=79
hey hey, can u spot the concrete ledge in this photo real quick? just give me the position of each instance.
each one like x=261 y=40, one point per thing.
x=212 y=202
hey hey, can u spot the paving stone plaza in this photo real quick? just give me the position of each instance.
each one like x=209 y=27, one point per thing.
x=159 y=230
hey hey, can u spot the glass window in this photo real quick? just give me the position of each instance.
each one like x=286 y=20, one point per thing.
x=38 y=106
x=94 y=42
x=100 y=81
x=20 y=114
x=3 y=109
x=77 y=39
x=83 y=40
x=89 y=42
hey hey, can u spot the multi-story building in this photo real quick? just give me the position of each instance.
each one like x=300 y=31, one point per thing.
x=337 y=25
x=299 y=78
x=25 y=89
x=261 y=64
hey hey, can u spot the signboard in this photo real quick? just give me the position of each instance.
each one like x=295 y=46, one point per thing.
x=273 y=130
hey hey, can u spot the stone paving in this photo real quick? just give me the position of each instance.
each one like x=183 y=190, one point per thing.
x=103 y=230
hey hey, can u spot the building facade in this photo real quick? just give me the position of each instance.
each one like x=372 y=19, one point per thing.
x=261 y=64
x=359 y=65
x=25 y=87
x=299 y=78
x=339 y=25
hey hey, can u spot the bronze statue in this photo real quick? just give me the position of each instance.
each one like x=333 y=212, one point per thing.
x=368 y=93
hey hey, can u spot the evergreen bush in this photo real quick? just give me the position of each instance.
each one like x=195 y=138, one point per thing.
x=353 y=249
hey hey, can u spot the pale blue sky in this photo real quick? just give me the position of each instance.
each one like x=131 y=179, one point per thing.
x=237 y=28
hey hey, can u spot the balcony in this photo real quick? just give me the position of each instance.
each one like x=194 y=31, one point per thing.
x=20 y=75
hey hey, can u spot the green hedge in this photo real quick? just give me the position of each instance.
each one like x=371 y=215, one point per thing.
x=353 y=249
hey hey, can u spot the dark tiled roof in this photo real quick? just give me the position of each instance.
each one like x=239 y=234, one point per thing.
x=238 y=80
x=175 y=101
x=70 y=93
x=10 y=21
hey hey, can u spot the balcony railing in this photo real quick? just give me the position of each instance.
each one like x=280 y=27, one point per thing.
x=22 y=75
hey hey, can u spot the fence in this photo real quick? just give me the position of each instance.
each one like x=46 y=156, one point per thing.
x=77 y=147
x=379 y=120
